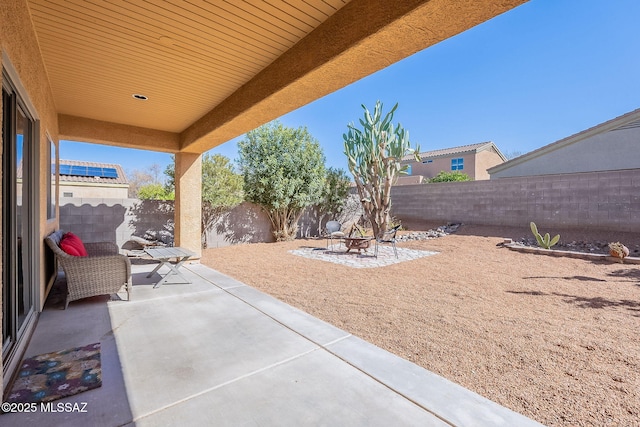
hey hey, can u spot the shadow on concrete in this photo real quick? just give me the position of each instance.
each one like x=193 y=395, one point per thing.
x=83 y=322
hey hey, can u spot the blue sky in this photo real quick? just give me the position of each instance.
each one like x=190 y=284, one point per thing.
x=534 y=75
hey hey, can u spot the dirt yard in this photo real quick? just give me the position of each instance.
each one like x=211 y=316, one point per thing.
x=556 y=339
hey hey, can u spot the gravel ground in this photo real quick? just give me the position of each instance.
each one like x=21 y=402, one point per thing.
x=556 y=339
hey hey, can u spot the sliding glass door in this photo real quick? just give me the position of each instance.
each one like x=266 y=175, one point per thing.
x=18 y=288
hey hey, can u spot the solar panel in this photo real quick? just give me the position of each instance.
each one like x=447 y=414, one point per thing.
x=78 y=171
x=89 y=171
x=93 y=171
x=110 y=173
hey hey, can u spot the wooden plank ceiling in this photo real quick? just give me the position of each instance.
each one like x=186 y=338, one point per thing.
x=185 y=56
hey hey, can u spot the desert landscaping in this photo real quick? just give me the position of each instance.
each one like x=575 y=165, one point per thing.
x=553 y=338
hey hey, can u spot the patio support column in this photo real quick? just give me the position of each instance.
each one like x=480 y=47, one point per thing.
x=188 y=208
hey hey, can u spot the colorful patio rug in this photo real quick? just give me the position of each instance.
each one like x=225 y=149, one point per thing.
x=56 y=375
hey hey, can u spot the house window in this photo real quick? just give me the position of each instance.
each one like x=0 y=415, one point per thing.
x=51 y=185
x=65 y=194
x=427 y=161
x=457 y=164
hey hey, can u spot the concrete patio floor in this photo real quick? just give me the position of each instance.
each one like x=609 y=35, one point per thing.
x=217 y=352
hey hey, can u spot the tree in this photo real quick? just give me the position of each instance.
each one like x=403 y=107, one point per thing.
x=170 y=172
x=221 y=188
x=139 y=178
x=334 y=196
x=155 y=191
x=374 y=155
x=512 y=154
x=454 y=176
x=283 y=170
x=334 y=193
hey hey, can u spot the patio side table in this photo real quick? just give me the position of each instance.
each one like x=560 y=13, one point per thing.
x=165 y=255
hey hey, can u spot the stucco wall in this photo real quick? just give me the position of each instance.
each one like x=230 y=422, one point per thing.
x=484 y=160
x=438 y=164
x=597 y=200
x=92 y=191
x=612 y=150
x=19 y=50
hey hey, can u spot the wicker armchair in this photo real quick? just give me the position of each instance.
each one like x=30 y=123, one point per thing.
x=104 y=271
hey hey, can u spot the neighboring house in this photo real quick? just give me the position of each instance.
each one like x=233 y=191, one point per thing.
x=92 y=180
x=474 y=160
x=410 y=180
x=609 y=146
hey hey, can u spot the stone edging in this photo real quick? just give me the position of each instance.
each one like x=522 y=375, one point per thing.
x=570 y=254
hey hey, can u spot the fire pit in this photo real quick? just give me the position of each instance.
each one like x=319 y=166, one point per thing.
x=358 y=243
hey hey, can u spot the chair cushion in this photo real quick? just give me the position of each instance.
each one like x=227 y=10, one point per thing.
x=72 y=245
x=56 y=236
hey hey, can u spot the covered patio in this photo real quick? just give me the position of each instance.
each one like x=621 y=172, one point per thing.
x=218 y=352
x=184 y=77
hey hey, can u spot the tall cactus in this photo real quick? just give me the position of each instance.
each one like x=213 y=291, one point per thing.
x=374 y=156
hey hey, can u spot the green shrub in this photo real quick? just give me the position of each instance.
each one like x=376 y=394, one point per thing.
x=450 y=177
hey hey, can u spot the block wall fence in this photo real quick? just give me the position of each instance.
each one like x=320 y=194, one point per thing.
x=116 y=220
x=597 y=200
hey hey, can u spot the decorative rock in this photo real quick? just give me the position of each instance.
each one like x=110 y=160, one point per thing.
x=429 y=234
x=594 y=247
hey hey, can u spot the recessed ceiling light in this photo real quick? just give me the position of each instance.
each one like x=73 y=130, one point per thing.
x=140 y=97
x=167 y=41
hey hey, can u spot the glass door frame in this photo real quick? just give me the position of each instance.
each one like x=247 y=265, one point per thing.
x=19 y=330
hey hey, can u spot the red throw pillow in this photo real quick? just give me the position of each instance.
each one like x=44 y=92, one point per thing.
x=72 y=245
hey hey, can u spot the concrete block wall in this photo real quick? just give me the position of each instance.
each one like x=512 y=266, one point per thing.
x=599 y=200
x=246 y=223
x=116 y=220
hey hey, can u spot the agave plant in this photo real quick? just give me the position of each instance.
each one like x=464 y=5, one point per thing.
x=544 y=241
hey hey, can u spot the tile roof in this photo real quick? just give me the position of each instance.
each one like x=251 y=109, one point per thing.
x=454 y=150
x=121 y=179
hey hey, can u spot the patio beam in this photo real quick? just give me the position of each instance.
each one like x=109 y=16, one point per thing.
x=360 y=39
x=81 y=129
